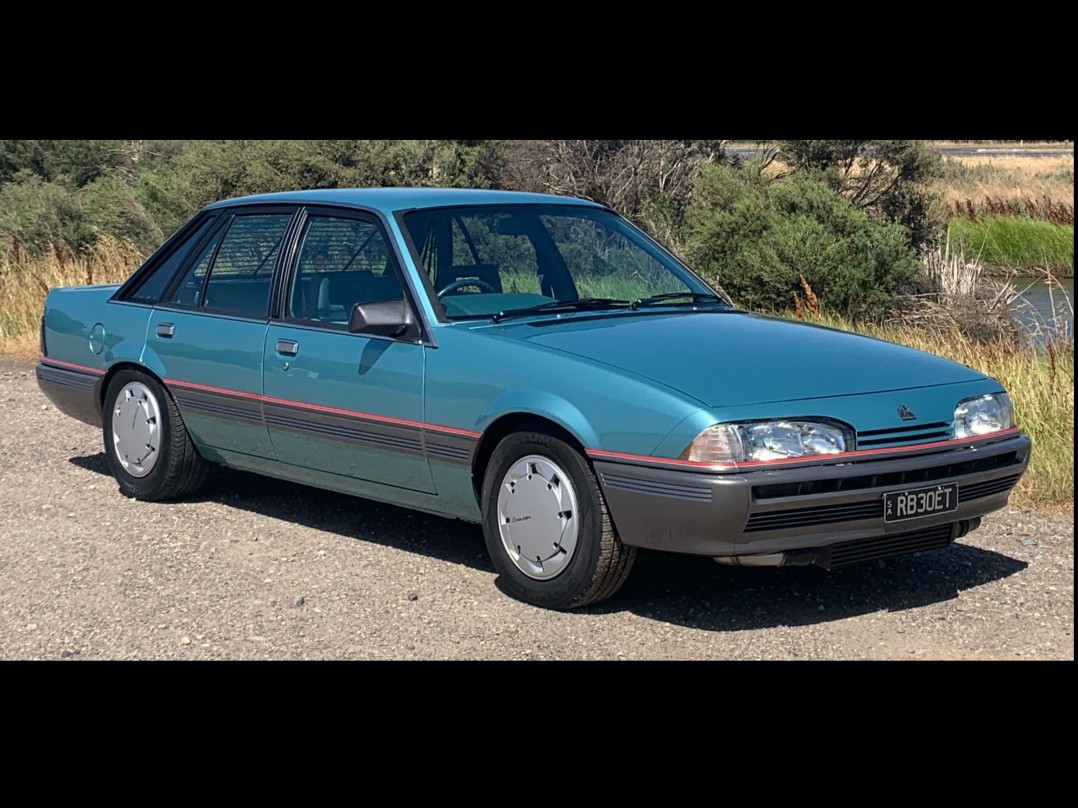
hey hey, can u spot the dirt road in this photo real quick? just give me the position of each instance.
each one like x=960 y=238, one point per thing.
x=257 y=569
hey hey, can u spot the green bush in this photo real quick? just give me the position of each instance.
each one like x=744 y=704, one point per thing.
x=891 y=180
x=758 y=237
x=64 y=195
x=41 y=216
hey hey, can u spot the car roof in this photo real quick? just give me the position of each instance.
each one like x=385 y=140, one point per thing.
x=388 y=200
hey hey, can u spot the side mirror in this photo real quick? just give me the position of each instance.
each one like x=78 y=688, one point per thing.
x=392 y=318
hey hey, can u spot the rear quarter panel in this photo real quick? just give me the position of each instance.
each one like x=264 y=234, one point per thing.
x=72 y=313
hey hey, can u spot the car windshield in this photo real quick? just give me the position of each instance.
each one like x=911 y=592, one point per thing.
x=505 y=260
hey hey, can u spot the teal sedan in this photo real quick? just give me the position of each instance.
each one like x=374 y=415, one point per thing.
x=532 y=363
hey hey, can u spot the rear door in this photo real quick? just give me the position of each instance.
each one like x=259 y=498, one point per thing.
x=209 y=332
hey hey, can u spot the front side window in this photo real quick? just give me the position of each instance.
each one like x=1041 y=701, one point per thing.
x=233 y=271
x=482 y=260
x=341 y=261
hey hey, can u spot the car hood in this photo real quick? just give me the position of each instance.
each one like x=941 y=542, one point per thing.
x=730 y=358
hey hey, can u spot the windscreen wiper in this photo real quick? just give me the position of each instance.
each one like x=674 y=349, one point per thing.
x=690 y=298
x=582 y=304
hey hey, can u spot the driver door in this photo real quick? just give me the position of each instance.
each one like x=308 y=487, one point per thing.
x=337 y=402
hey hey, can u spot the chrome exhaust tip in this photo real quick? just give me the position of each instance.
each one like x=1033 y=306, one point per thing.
x=767 y=560
x=794 y=558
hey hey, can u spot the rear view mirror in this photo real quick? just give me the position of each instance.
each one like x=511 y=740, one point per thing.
x=511 y=226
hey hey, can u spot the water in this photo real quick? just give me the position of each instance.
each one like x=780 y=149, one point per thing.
x=1041 y=307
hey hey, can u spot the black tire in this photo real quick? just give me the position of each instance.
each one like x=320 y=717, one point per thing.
x=598 y=564
x=177 y=469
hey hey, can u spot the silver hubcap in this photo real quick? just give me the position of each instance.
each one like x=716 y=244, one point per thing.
x=136 y=429
x=538 y=517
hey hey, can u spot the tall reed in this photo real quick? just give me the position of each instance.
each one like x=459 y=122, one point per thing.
x=24 y=282
x=1041 y=385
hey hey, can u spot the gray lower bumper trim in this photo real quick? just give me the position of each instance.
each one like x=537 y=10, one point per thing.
x=717 y=514
x=75 y=394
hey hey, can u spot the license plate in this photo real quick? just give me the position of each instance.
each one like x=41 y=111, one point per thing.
x=917 y=502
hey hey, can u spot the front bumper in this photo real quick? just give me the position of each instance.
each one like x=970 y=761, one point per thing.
x=816 y=513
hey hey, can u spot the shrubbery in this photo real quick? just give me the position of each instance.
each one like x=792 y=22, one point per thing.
x=758 y=237
x=844 y=217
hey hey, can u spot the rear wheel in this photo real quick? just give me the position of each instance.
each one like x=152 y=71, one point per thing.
x=546 y=524
x=147 y=445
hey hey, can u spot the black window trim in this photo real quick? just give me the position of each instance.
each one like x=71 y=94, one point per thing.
x=428 y=284
x=227 y=216
x=160 y=256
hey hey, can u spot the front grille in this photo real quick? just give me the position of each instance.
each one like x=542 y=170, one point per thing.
x=914 y=476
x=822 y=515
x=852 y=511
x=846 y=553
x=987 y=488
x=905 y=435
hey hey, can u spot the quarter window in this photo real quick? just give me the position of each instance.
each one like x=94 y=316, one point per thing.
x=150 y=288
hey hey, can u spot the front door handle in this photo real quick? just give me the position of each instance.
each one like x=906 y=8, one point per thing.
x=288 y=347
x=165 y=329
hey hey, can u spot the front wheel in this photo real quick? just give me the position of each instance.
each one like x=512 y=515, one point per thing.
x=546 y=524
x=146 y=443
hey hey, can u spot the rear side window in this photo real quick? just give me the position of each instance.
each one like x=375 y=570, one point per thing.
x=150 y=288
x=233 y=271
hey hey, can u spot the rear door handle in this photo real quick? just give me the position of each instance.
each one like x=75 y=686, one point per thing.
x=165 y=329
x=288 y=347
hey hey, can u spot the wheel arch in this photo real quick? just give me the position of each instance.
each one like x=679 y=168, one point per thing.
x=106 y=380
x=506 y=424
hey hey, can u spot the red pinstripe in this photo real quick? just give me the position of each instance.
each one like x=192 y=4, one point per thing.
x=601 y=454
x=322 y=408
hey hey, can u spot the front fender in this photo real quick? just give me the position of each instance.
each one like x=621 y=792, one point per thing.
x=544 y=404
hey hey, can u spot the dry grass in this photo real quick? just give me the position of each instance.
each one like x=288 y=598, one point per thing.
x=1008 y=176
x=954 y=291
x=25 y=282
x=965 y=316
x=1040 y=383
x=1042 y=388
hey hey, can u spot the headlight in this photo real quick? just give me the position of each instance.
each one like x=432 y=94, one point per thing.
x=982 y=415
x=766 y=440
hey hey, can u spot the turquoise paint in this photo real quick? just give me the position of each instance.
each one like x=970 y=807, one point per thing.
x=869 y=411
x=216 y=352
x=729 y=358
x=71 y=312
x=456 y=492
x=336 y=369
x=477 y=375
x=390 y=200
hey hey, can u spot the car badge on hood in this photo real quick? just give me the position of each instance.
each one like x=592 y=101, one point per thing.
x=905 y=413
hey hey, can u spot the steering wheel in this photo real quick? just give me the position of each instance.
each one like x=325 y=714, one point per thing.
x=464 y=282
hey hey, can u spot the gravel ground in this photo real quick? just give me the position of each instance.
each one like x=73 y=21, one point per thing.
x=257 y=569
